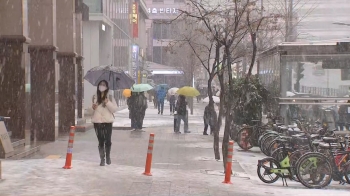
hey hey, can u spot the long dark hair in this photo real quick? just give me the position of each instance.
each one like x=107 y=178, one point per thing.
x=182 y=99
x=99 y=93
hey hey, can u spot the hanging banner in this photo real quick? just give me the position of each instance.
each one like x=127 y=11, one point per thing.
x=135 y=20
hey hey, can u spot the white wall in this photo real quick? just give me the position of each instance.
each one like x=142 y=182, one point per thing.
x=97 y=50
x=105 y=45
x=91 y=56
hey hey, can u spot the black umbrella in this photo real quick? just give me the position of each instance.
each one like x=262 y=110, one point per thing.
x=116 y=77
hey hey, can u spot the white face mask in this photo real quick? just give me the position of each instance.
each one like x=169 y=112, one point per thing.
x=102 y=88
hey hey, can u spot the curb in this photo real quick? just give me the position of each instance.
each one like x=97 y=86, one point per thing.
x=84 y=128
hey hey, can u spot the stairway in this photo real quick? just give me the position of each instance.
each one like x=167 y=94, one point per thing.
x=22 y=150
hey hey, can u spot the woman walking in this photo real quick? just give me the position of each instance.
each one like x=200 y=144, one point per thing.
x=104 y=106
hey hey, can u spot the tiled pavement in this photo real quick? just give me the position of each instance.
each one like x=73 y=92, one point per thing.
x=183 y=165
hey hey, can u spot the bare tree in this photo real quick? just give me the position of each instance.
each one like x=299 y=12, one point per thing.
x=290 y=14
x=219 y=39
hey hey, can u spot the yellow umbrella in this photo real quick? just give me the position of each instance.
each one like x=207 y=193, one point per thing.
x=188 y=91
x=127 y=92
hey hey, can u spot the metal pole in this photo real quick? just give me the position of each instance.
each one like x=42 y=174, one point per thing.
x=0 y=169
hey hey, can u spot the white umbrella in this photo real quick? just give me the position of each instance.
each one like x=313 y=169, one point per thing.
x=172 y=91
x=215 y=98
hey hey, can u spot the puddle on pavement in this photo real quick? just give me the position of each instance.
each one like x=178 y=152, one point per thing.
x=211 y=159
x=247 y=155
x=249 y=151
x=208 y=145
x=220 y=173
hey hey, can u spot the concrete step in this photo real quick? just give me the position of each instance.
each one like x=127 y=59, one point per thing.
x=17 y=143
x=24 y=151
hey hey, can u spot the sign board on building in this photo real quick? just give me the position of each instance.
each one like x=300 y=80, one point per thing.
x=6 y=148
x=336 y=64
x=163 y=11
x=135 y=20
x=135 y=59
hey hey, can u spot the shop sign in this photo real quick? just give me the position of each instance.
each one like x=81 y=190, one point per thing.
x=135 y=20
x=163 y=11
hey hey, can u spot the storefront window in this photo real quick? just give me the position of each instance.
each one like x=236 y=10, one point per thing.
x=95 y=6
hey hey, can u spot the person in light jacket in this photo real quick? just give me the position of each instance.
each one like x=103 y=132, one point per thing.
x=104 y=105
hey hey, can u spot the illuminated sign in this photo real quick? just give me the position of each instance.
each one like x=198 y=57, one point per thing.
x=163 y=11
x=134 y=20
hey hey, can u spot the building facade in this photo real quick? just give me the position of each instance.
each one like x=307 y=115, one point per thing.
x=40 y=66
x=318 y=20
x=162 y=32
x=110 y=36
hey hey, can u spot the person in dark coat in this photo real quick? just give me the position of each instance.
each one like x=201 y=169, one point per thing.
x=132 y=110
x=344 y=116
x=181 y=109
x=172 y=100
x=210 y=118
x=155 y=100
x=140 y=107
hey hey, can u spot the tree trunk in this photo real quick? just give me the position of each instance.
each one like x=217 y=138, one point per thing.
x=222 y=92
x=228 y=106
x=255 y=48
x=226 y=139
x=210 y=91
x=219 y=121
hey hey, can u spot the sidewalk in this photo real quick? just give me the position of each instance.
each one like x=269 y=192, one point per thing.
x=183 y=165
x=153 y=119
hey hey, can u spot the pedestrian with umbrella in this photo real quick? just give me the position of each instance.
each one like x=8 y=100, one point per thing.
x=131 y=107
x=115 y=77
x=181 y=109
x=106 y=78
x=139 y=104
x=172 y=99
x=104 y=105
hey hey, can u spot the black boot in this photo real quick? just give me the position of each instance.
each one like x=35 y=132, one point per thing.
x=108 y=155
x=101 y=150
x=205 y=133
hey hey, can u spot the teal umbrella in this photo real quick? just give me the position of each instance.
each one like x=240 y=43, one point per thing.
x=141 y=88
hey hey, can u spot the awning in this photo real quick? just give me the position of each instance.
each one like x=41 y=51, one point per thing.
x=159 y=69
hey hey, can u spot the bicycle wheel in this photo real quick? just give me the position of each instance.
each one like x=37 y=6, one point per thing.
x=234 y=132
x=266 y=142
x=346 y=171
x=244 y=138
x=293 y=159
x=264 y=136
x=272 y=147
x=264 y=169
x=314 y=170
x=279 y=154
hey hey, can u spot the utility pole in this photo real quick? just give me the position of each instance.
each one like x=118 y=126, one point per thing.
x=289 y=22
x=260 y=43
